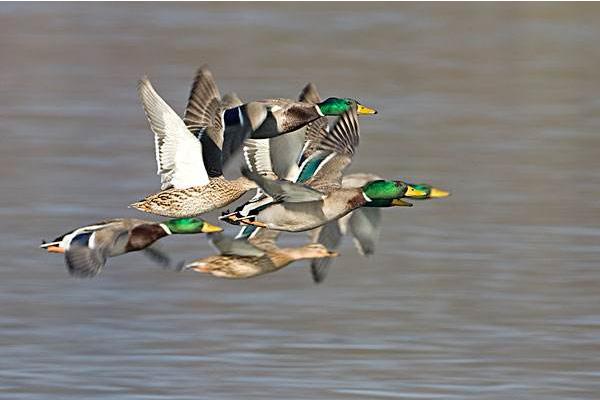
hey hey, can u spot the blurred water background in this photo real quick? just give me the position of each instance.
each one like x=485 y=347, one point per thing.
x=493 y=293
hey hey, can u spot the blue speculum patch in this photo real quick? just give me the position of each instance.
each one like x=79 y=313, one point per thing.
x=310 y=168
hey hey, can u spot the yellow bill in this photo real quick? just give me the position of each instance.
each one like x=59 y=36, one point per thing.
x=209 y=228
x=437 y=193
x=362 y=110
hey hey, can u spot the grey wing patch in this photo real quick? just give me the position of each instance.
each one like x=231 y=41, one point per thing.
x=365 y=226
x=265 y=239
x=281 y=190
x=309 y=94
x=229 y=246
x=204 y=108
x=158 y=256
x=285 y=150
x=330 y=236
x=82 y=261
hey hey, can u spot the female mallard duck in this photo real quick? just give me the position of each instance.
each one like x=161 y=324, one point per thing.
x=300 y=207
x=191 y=170
x=87 y=248
x=238 y=260
x=363 y=224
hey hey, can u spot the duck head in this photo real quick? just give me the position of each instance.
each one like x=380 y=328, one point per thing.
x=190 y=225
x=313 y=250
x=337 y=106
x=387 y=193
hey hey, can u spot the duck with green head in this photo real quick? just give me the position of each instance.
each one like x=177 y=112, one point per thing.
x=288 y=215
x=191 y=153
x=320 y=198
x=87 y=248
x=273 y=117
x=363 y=224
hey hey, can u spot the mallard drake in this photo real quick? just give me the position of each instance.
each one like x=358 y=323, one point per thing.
x=279 y=157
x=364 y=224
x=300 y=207
x=260 y=119
x=87 y=248
x=191 y=170
x=259 y=255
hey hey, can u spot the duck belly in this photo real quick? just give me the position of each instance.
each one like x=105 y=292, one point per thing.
x=180 y=203
x=299 y=217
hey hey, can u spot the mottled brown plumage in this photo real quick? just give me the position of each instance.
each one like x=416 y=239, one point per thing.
x=176 y=203
x=274 y=258
x=191 y=169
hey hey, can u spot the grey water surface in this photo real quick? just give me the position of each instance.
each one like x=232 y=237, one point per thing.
x=493 y=293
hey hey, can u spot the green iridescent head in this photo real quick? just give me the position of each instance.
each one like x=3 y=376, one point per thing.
x=430 y=191
x=382 y=193
x=337 y=106
x=190 y=225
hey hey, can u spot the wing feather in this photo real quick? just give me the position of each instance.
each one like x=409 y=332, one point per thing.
x=342 y=142
x=204 y=107
x=229 y=246
x=330 y=236
x=178 y=151
x=282 y=190
x=309 y=94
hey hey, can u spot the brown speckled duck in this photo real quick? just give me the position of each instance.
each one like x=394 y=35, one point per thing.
x=259 y=255
x=190 y=169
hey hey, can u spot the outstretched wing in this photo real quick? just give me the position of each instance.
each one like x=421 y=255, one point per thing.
x=178 y=151
x=330 y=236
x=265 y=239
x=204 y=118
x=280 y=156
x=365 y=226
x=281 y=190
x=257 y=155
x=334 y=153
x=229 y=246
x=309 y=94
x=204 y=106
x=231 y=100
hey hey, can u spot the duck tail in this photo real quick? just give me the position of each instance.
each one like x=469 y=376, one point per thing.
x=141 y=205
x=45 y=244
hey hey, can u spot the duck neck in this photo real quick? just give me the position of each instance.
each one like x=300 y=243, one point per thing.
x=282 y=257
x=359 y=199
x=180 y=226
x=299 y=253
x=144 y=235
